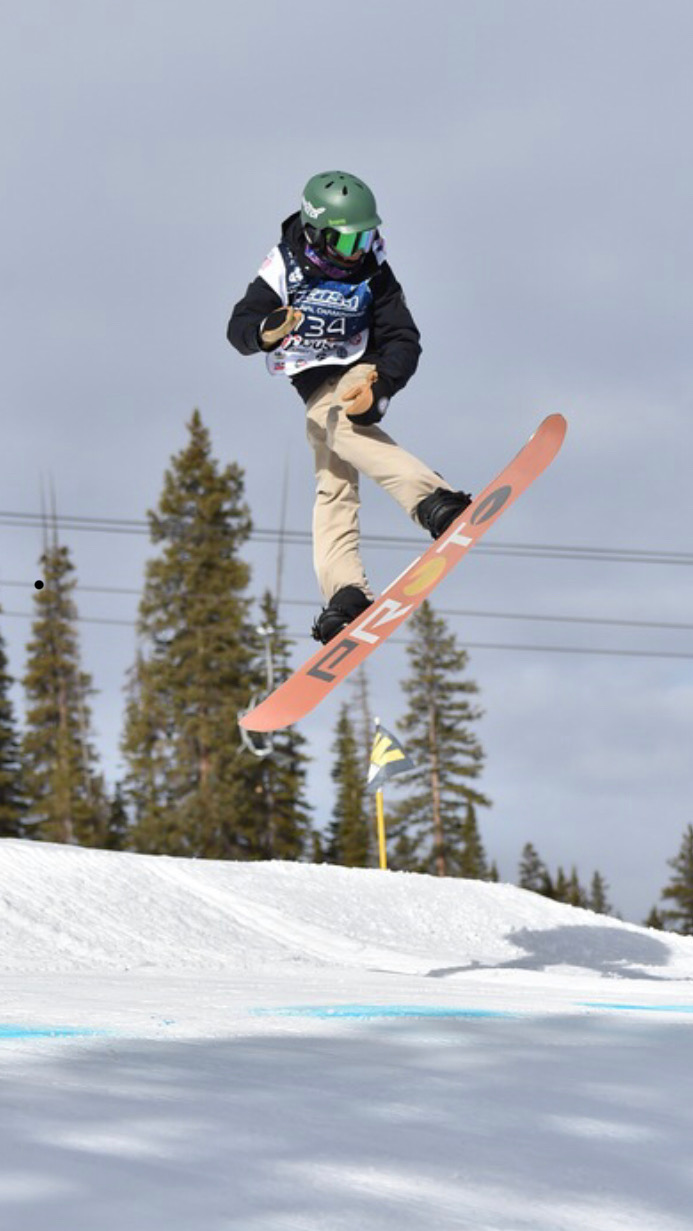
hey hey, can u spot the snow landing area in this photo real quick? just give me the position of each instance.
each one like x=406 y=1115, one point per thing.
x=199 y=1046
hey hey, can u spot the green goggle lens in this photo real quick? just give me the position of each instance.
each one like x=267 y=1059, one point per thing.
x=347 y=245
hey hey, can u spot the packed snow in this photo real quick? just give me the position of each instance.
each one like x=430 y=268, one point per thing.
x=201 y=1046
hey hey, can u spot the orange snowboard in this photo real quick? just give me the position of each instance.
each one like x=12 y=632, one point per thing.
x=313 y=681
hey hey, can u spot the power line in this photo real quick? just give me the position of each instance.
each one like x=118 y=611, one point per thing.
x=28 y=585
x=118 y=525
x=79 y=619
x=467 y=613
x=517 y=615
x=468 y=645
x=544 y=551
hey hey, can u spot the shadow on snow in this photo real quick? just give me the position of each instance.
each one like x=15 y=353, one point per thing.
x=378 y=1126
x=604 y=950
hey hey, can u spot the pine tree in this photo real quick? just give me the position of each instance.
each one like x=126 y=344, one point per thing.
x=472 y=862
x=402 y=849
x=598 y=900
x=65 y=795
x=438 y=817
x=278 y=781
x=317 y=848
x=189 y=785
x=363 y=717
x=680 y=888
x=561 y=886
x=349 y=834
x=12 y=804
x=654 y=920
x=576 y=895
x=117 y=825
x=567 y=888
x=533 y=873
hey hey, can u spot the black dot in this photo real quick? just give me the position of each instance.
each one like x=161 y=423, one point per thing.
x=38 y=585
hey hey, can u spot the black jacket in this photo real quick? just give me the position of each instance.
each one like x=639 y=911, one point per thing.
x=393 y=344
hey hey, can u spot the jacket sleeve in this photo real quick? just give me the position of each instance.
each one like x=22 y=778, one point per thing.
x=396 y=338
x=249 y=313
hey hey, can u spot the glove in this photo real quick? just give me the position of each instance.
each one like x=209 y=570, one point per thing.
x=369 y=401
x=276 y=326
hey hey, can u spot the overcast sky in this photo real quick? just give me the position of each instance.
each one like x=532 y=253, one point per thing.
x=531 y=161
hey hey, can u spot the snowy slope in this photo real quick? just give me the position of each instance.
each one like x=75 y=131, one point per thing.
x=188 y=1044
x=66 y=908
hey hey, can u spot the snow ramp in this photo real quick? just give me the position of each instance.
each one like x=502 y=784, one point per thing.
x=77 y=909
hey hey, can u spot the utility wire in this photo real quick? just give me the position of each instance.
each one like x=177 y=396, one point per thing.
x=623 y=555
x=467 y=613
x=301 y=538
x=468 y=645
x=517 y=615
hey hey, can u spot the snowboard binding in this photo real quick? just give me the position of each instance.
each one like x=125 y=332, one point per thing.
x=343 y=607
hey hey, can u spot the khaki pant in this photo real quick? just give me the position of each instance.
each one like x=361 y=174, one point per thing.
x=342 y=451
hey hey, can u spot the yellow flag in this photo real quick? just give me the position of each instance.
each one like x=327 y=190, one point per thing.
x=387 y=758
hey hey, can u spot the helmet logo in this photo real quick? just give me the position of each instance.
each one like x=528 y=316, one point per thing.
x=311 y=210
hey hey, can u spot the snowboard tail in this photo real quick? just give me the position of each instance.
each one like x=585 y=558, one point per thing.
x=332 y=663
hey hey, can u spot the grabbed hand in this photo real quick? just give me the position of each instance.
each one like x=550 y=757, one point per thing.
x=366 y=401
x=278 y=324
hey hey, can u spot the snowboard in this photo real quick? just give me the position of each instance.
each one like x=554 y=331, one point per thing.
x=312 y=682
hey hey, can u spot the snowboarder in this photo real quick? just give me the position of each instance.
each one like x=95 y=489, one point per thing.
x=329 y=313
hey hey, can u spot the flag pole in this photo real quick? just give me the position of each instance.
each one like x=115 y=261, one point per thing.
x=380 y=816
x=381 y=829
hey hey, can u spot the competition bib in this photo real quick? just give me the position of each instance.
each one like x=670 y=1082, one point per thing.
x=334 y=328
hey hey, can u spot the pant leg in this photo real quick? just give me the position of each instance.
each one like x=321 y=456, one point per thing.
x=372 y=452
x=336 y=552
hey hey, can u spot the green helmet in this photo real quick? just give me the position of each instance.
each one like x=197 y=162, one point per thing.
x=339 y=215
x=337 y=199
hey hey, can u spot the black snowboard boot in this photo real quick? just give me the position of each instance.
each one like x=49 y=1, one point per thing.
x=343 y=607
x=437 y=511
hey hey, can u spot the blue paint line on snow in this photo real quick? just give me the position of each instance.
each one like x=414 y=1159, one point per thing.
x=639 y=1008
x=10 y=1031
x=362 y=1011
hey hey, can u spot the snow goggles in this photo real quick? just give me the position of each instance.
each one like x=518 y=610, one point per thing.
x=351 y=244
